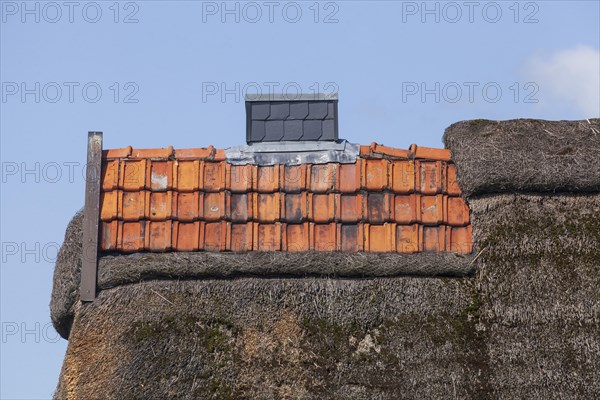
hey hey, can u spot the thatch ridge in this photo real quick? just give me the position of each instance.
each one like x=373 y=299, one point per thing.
x=525 y=155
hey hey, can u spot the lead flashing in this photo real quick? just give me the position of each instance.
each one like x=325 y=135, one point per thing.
x=293 y=153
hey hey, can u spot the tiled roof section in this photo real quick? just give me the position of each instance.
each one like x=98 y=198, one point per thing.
x=389 y=200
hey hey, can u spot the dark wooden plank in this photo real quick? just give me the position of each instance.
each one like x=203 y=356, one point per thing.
x=91 y=217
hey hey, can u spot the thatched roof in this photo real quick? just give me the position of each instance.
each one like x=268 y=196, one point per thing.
x=524 y=325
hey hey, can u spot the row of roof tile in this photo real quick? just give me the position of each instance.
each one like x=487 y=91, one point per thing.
x=160 y=236
x=374 y=207
x=399 y=176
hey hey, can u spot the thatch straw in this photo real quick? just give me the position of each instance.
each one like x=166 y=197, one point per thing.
x=65 y=285
x=258 y=338
x=115 y=271
x=525 y=155
x=539 y=286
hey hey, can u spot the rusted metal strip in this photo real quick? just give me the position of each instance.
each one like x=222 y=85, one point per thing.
x=91 y=217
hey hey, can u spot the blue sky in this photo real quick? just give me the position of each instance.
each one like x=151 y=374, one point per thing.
x=158 y=73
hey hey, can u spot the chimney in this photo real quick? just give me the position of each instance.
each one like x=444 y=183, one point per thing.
x=286 y=118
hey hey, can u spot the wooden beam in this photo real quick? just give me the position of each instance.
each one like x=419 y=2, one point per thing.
x=91 y=217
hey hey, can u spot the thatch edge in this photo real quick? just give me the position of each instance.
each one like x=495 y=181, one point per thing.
x=65 y=282
x=117 y=270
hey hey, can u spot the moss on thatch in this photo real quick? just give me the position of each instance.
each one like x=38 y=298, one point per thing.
x=538 y=281
x=276 y=338
x=525 y=155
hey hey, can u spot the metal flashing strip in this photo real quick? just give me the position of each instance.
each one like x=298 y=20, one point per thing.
x=293 y=153
x=291 y=97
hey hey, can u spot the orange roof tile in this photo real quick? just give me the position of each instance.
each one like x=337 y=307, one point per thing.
x=267 y=178
x=159 y=175
x=351 y=237
x=322 y=177
x=294 y=178
x=348 y=177
x=186 y=206
x=429 y=177
x=405 y=209
x=429 y=153
x=152 y=153
x=109 y=175
x=195 y=154
x=375 y=150
x=241 y=237
x=349 y=208
x=407 y=238
x=239 y=178
x=403 y=176
x=389 y=200
x=116 y=153
x=375 y=174
x=295 y=237
x=295 y=207
x=241 y=206
x=323 y=237
x=186 y=235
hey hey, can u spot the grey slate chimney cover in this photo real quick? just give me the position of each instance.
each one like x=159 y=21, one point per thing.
x=302 y=117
